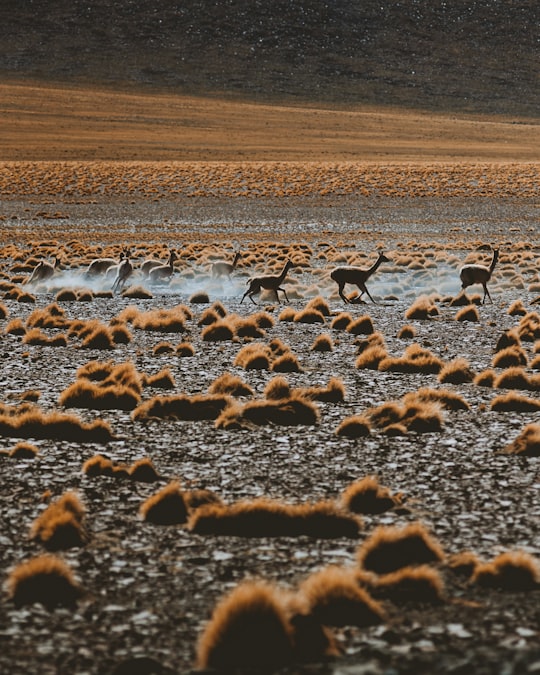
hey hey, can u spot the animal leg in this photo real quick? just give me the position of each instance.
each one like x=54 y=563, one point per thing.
x=284 y=293
x=365 y=290
x=486 y=292
x=340 y=291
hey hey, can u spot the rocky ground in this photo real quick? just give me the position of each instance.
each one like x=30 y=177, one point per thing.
x=149 y=590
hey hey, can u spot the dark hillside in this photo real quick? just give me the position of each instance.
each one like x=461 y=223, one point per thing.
x=462 y=55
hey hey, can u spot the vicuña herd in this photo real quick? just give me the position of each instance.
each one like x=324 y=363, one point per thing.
x=156 y=272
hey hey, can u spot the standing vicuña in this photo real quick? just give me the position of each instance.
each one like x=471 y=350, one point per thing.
x=222 y=267
x=42 y=271
x=270 y=283
x=479 y=274
x=124 y=272
x=163 y=272
x=356 y=276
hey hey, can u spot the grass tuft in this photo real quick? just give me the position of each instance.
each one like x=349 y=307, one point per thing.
x=166 y=507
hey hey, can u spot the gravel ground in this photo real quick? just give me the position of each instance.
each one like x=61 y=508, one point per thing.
x=149 y=590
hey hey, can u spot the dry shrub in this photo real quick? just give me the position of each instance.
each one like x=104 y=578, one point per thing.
x=391 y=548
x=199 y=298
x=166 y=507
x=4 y=311
x=66 y=295
x=412 y=413
x=355 y=426
x=98 y=465
x=143 y=471
x=85 y=295
x=486 y=378
x=277 y=347
x=161 y=320
x=513 y=402
x=463 y=563
x=334 y=392
x=268 y=518
x=163 y=347
x=469 y=313
x=322 y=343
x=100 y=338
x=185 y=349
x=341 y=321
x=293 y=411
x=361 y=326
x=517 y=378
x=527 y=443
x=277 y=388
x=27 y=298
x=253 y=357
x=334 y=598
x=517 y=308
x=45 y=579
x=366 y=496
x=249 y=631
x=219 y=331
x=320 y=305
x=36 y=337
x=422 y=308
x=85 y=394
x=411 y=584
x=208 y=317
x=182 y=407
x=60 y=526
x=287 y=314
x=309 y=315
x=529 y=327
x=36 y=424
x=196 y=498
x=510 y=357
x=15 y=327
x=121 y=334
x=508 y=339
x=510 y=571
x=162 y=380
x=230 y=384
x=371 y=357
x=460 y=300
x=23 y=450
x=407 y=333
x=457 y=371
x=286 y=363
x=415 y=359
x=137 y=292
x=218 y=307
x=450 y=400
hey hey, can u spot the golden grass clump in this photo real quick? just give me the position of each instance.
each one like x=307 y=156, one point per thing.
x=322 y=343
x=355 y=426
x=293 y=411
x=391 y=548
x=199 y=298
x=60 y=525
x=45 y=579
x=513 y=356
x=247 y=328
x=512 y=402
x=486 y=378
x=416 y=359
x=185 y=349
x=334 y=392
x=98 y=465
x=361 y=326
x=253 y=357
x=450 y=400
x=269 y=518
x=319 y=304
x=517 y=378
x=287 y=314
x=143 y=471
x=164 y=379
x=468 y=313
x=182 y=407
x=166 y=507
x=464 y=563
x=34 y=423
x=161 y=320
x=137 y=292
x=422 y=308
x=367 y=496
x=286 y=363
x=341 y=321
x=371 y=357
x=101 y=337
x=36 y=337
x=421 y=584
x=527 y=443
x=4 y=311
x=162 y=347
x=334 y=598
x=15 y=327
x=249 y=631
x=23 y=450
x=85 y=394
x=407 y=333
x=529 y=327
x=509 y=571
x=517 y=308
x=230 y=384
x=508 y=338
x=277 y=388
x=457 y=371
x=208 y=317
x=66 y=295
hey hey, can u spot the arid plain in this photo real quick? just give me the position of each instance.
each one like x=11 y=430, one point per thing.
x=278 y=411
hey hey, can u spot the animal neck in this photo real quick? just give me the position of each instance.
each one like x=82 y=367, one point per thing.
x=284 y=271
x=494 y=260
x=376 y=264
x=236 y=259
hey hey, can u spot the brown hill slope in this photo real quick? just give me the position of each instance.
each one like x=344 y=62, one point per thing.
x=479 y=56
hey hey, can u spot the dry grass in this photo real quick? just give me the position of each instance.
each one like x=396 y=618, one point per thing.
x=513 y=402
x=391 y=548
x=23 y=450
x=355 y=426
x=36 y=424
x=85 y=394
x=517 y=378
x=268 y=518
x=334 y=597
x=407 y=333
x=421 y=584
x=143 y=471
x=341 y=321
x=468 y=313
x=366 y=496
x=361 y=326
x=249 y=632
x=527 y=443
x=416 y=359
x=182 y=407
x=510 y=571
x=60 y=526
x=230 y=384
x=322 y=343
x=164 y=379
x=422 y=308
x=510 y=357
x=293 y=411
x=45 y=579
x=166 y=507
x=457 y=371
